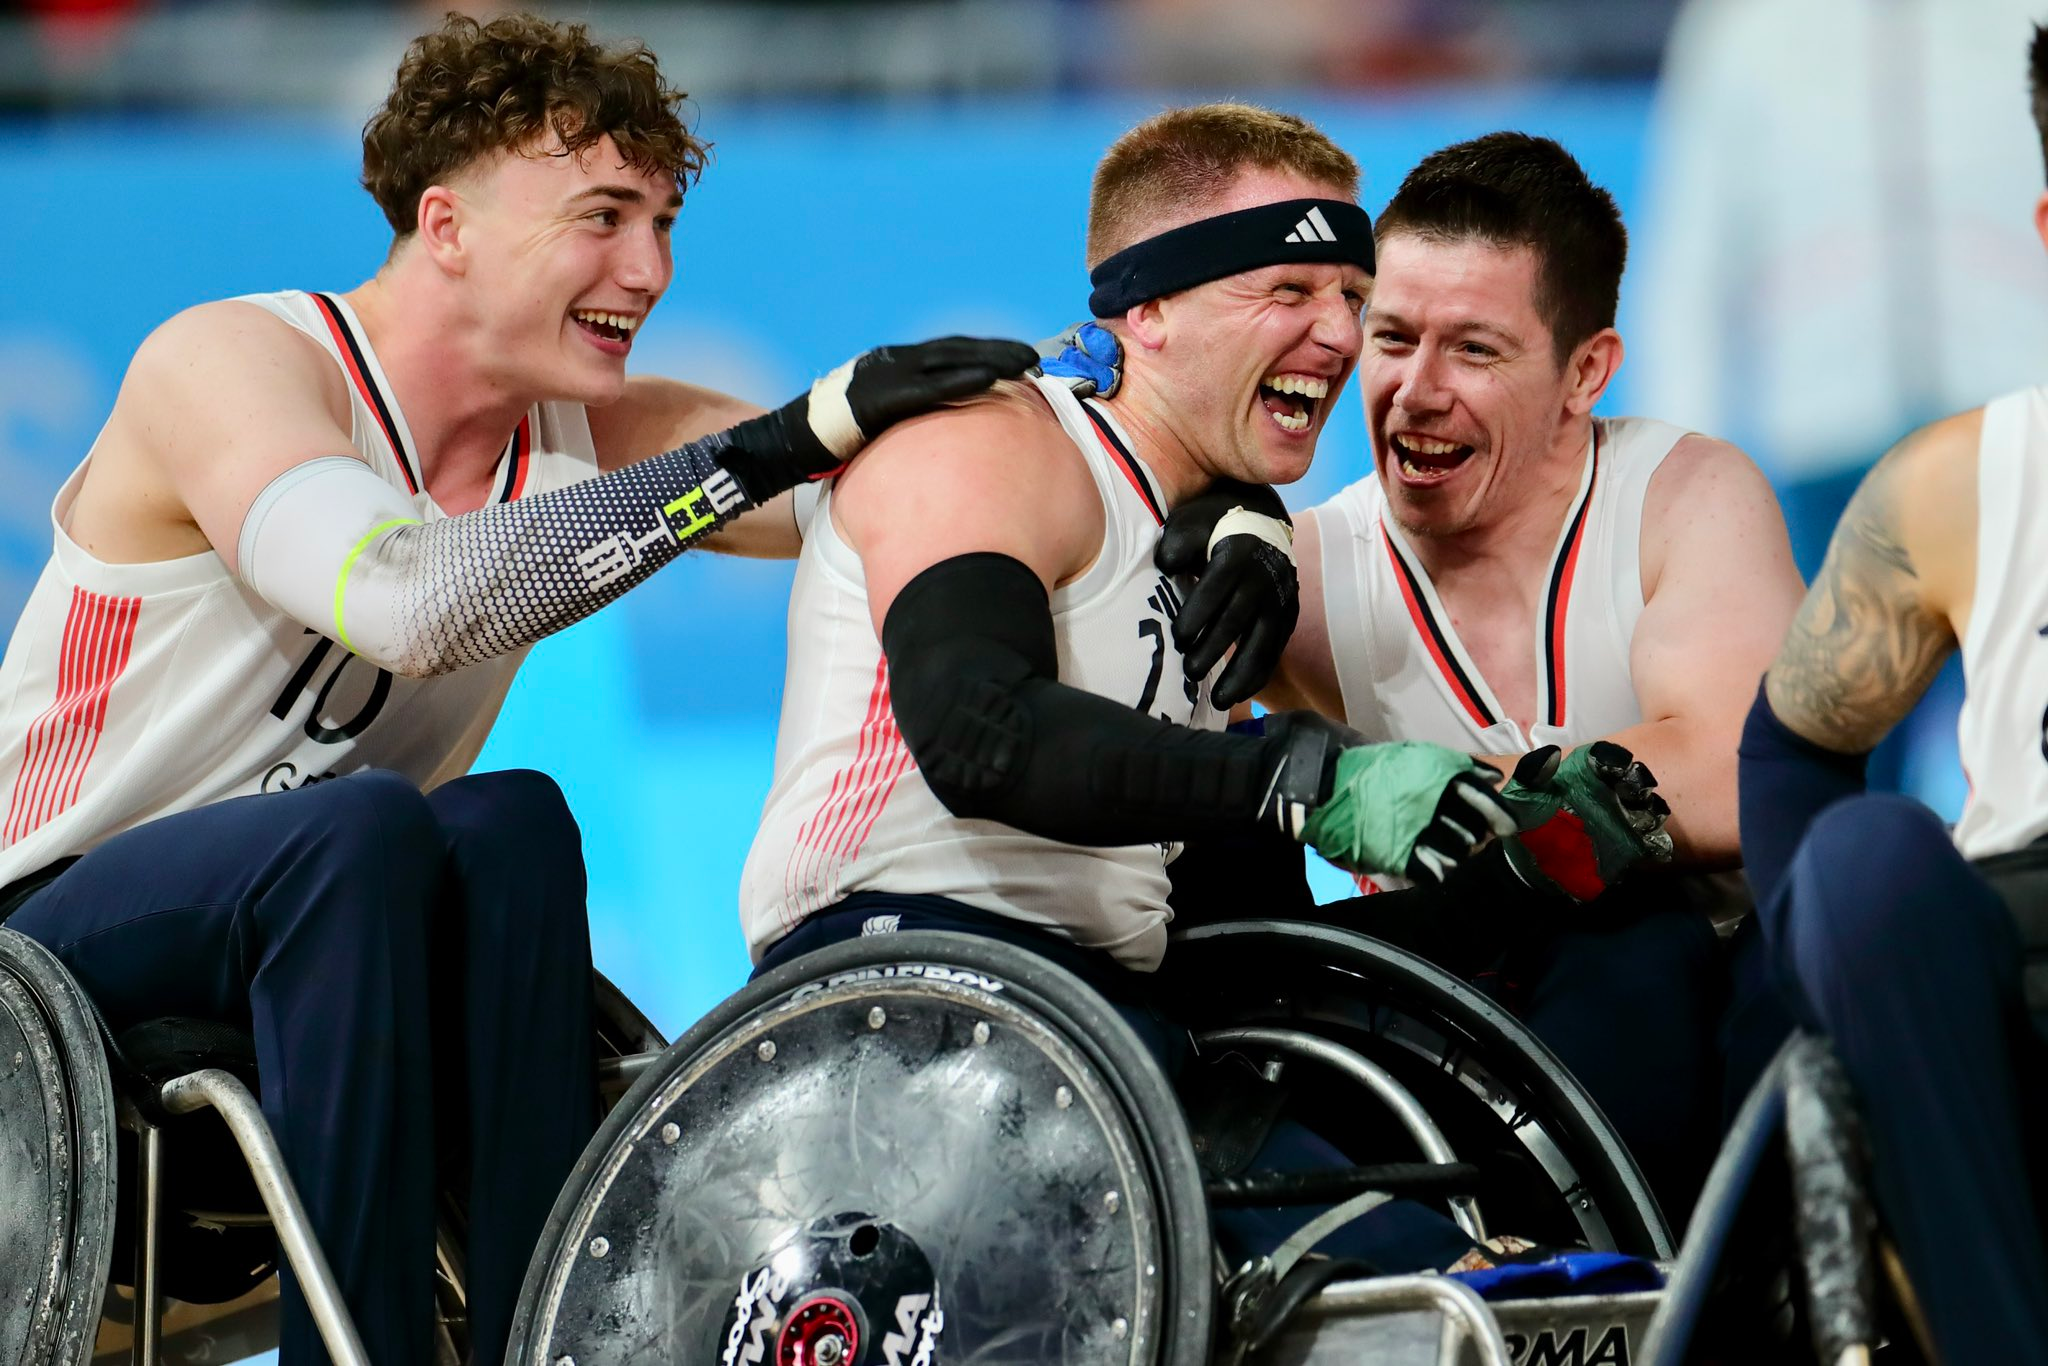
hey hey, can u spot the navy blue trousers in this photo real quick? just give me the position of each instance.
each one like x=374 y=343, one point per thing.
x=405 y=963
x=1886 y=940
x=1399 y=1236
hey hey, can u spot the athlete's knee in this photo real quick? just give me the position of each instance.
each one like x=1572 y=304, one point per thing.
x=517 y=813
x=1873 y=839
x=362 y=852
x=1879 y=895
x=518 y=854
x=375 y=823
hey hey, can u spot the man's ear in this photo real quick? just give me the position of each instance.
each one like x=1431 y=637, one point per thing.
x=1590 y=369
x=1145 y=325
x=439 y=228
x=2041 y=218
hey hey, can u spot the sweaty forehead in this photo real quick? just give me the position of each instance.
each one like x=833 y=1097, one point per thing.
x=1423 y=279
x=543 y=173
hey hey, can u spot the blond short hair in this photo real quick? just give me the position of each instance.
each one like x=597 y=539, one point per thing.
x=1170 y=164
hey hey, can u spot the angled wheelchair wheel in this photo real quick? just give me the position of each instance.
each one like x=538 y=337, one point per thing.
x=57 y=1127
x=915 y=1147
x=1556 y=1170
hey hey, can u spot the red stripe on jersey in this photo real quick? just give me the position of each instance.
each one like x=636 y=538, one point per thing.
x=888 y=757
x=1426 y=629
x=346 y=350
x=812 y=839
x=897 y=761
x=99 y=634
x=46 y=735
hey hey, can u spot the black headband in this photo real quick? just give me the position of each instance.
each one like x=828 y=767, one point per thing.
x=1321 y=230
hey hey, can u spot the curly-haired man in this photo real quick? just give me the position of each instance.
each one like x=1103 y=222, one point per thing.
x=313 y=543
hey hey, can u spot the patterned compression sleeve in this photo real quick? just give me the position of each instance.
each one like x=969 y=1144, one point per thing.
x=331 y=544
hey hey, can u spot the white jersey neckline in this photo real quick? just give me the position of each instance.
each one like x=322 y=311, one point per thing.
x=1456 y=674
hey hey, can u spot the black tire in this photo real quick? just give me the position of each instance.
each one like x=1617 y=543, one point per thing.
x=57 y=1128
x=1085 y=1022
x=1492 y=1084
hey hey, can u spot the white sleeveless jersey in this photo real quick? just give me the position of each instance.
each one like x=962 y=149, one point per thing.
x=2003 y=731
x=849 y=812
x=1403 y=671
x=132 y=691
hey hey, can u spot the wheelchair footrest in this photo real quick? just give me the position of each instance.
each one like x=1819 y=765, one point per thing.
x=1341 y=1183
x=1349 y=1323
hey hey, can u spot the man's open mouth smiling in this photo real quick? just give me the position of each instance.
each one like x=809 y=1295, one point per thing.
x=615 y=329
x=1292 y=399
x=1421 y=459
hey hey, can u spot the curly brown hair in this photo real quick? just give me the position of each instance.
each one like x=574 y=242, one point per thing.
x=469 y=89
x=1174 y=161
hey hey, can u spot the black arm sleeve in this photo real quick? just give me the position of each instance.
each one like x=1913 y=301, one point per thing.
x=1783 y=780
x=974 y=680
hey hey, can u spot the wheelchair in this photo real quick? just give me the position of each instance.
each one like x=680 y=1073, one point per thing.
x=143 y=1203
x=1786 y=1259
x=919 y=1147
x=910 y=1148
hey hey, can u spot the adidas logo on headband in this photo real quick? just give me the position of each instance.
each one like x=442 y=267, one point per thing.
x=1228 y=244
x=1314 y=228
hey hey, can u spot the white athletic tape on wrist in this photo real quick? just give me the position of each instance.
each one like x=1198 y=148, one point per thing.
x=831 y=417
x=1241 y=521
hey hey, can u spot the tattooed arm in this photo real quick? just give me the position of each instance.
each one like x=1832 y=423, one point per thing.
x=1892 y=598
x=1890 y=603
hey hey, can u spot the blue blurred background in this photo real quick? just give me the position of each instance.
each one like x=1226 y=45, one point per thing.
x=888 y=172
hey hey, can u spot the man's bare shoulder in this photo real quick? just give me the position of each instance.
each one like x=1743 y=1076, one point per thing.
x=1936 y=467
x=1710 y=509
x=996 y=473
x=217 y=401
x=1006 y=437
x=1930 y=481
x=228 y=348
x=1701 y=466
x=1011 y=409
x=1892 y=597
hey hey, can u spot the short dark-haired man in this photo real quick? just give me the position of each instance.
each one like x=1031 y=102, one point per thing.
x=1904 y=943
x=1517 y=573
x=289 y=587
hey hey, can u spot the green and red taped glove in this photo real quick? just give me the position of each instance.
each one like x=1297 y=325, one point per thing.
x=1585 y=818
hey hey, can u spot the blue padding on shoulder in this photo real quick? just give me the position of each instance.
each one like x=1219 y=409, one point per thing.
x=1566 y=1273
x=1091 y=353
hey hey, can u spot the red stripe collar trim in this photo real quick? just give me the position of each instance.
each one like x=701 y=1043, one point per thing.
x=518 y=459
x=1121 y=457
x=1433 y=638
x=354 y=361
x=1558 y=602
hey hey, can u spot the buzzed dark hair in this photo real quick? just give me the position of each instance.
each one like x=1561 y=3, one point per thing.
x=1515 y=190
x=2037 y=84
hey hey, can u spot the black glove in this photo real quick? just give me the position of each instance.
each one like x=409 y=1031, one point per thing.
x=1245 y=595
x=1304 y=748
x=818 y=433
